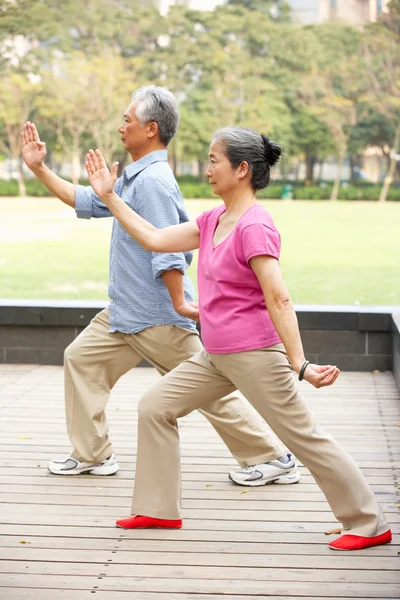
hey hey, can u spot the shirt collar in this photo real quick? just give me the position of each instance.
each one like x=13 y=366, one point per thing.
x=146 y=160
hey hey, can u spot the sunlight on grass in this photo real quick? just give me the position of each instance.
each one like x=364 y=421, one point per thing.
x=332 y=253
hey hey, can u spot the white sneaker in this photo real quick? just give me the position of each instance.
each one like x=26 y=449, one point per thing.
x=71 y=466
x=270 y=472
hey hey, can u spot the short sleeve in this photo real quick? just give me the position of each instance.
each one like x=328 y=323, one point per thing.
x=157 y=206
x=88 y=204
x=258 y=239
x=200 y=220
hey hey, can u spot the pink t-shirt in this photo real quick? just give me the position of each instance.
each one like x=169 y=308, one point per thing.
x=233 y=313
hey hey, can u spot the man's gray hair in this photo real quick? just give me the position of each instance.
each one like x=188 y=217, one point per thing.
x=242 y=144
x=159 y=105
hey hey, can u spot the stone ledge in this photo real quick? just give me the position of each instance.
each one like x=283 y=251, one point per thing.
x=78 y=314
x=353 y=337
x=396 y=347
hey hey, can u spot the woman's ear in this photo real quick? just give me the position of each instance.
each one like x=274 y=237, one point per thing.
x=243 y=169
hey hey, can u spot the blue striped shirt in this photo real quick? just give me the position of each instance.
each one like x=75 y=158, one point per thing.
x=138 y=296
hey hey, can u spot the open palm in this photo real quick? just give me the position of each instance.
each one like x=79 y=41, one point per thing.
x=101 y=179
x=32 y=149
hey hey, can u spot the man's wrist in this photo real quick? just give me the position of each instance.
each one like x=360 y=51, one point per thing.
x=38 y=169
x=178 y=305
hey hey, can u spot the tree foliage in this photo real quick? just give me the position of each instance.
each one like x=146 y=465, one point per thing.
x=317 y=90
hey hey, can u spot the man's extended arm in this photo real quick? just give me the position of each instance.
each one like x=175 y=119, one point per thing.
x=33 y=153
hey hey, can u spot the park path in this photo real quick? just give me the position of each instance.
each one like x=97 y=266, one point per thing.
x=58 y=539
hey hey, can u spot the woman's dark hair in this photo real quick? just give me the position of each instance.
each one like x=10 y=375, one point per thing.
x=242 y=144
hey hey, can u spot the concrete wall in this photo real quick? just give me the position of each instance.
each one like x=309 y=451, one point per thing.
x=396 y=347
x=353 y=338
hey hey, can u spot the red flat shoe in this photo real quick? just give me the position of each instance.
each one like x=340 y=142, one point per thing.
x=141 y=522
x=358 y=542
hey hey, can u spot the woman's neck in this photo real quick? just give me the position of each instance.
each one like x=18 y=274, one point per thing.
x=238 y=202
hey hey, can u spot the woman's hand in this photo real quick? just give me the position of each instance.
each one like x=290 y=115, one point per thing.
x=190 y=310
x=32 y=149
x=101 y=179
x=321 y=376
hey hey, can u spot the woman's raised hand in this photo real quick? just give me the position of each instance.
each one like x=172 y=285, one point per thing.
x=321 y=376
x=101 y=179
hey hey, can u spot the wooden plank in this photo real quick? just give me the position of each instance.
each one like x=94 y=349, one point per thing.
x=198 y=514
x=118 y=485
x=104 y=504
x=186 y=572
x=55 y=594
x=314 y=547
x=98 y=495
x=212 y=558
x=315 y=543
x=203 y=586
x=193 y=524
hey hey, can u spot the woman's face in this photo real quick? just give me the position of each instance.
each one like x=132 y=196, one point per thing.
x=222 y=177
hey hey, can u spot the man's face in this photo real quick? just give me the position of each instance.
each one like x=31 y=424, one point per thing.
x=134 y=136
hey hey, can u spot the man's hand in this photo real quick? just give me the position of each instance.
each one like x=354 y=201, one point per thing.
x=101 y=179
x=190 y=310
x=32 y=149
x=321 y=376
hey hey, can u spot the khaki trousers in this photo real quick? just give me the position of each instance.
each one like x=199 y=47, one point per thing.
x=95 y=361
x=265 y=378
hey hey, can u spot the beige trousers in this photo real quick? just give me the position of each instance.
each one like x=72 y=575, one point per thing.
x=266 y=380
x=95 y=361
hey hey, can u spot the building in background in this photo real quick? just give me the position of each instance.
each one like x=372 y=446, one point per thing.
x=354 y=12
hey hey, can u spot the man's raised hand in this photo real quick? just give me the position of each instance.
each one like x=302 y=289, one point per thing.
x=101 y=179
x=32 y=149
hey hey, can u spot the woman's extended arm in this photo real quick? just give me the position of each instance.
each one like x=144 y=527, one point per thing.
x=177 y=238
x=283 y=316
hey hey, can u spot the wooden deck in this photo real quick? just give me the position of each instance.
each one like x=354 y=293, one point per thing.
x=58 y=539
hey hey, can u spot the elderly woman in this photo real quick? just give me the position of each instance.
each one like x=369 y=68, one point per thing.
x=251 y=340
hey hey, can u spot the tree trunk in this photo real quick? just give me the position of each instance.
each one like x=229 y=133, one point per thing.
x=336 y=185
x=320 y=170
x=296 y=174
x=174 y=160
x=20 y=179
x=392 y=166
x=310 y=164
x=200 y=166
x=76 y=166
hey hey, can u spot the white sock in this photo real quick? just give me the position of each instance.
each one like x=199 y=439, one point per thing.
x=284 y=459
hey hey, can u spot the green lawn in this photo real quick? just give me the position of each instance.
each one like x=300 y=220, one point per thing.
x=332 y=253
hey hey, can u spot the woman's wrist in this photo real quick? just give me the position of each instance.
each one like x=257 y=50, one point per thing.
x=303 y=369
x=297 y=364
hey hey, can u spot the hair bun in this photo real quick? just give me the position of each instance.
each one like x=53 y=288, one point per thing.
x=272 y=151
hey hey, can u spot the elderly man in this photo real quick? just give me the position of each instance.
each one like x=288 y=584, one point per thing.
x=151 y=314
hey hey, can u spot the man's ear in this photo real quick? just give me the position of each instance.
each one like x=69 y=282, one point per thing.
x=152 y=129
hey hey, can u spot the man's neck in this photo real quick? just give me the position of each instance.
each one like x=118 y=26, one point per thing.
x=139 y=153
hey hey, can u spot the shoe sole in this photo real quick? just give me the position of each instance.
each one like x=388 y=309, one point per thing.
x=104 y=471
x=281 y=480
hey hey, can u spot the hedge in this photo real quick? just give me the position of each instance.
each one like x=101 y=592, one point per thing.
x=192 y=188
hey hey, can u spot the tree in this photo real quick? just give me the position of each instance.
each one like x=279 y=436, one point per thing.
x=17 y=98
x=67 y=106
x=382 y=58
x=111 y=81
x=333 y=88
